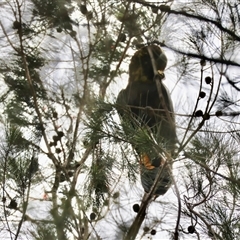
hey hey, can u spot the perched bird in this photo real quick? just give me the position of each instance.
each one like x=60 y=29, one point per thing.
x=142 y=106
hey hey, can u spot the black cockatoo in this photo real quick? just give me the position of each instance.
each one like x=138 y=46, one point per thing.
x=143 y=107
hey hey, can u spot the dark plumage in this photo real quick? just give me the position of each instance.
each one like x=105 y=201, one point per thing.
x=141 y=104
x=140 y=67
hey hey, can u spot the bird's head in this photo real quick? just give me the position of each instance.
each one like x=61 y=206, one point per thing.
x=140 y=67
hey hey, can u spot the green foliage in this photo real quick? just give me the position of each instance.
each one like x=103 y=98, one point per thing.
x=14 y=138
x=45 y=231
x=19 y=165
x=54 y=12
x=17 y=80
x=99 y=178
x=214 y=157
